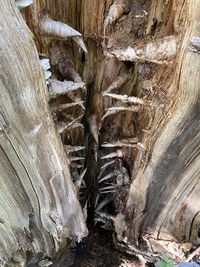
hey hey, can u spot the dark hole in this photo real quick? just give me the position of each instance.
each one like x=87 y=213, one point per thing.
x=83 y=57
x=154 y=26
x=129 y=64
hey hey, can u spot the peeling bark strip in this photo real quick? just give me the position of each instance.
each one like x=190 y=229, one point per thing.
x=34 y=175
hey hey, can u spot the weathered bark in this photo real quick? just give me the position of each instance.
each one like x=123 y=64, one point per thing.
x=141 y=118
x=39 y=210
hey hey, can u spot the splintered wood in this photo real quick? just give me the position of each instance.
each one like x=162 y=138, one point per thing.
x=128 y=116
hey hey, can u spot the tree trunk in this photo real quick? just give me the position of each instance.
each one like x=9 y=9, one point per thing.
x=126 y=103
x=39 y=210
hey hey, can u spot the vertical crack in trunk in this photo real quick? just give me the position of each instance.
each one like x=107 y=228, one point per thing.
x=92 y=155
x=110 y=106
x=119 y=107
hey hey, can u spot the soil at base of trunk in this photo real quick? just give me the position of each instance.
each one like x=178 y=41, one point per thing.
x=97 y=250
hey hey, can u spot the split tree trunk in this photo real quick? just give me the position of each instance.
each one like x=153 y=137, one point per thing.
x=141 y=113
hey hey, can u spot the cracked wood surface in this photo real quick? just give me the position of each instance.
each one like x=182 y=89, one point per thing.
x=39 y=209
x=164 y=194
x=162 y=203
x=165 y=174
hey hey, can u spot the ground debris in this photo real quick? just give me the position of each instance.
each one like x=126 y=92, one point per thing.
x=97 y=251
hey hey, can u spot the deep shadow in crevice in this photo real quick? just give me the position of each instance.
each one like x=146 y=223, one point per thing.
x=98 y=250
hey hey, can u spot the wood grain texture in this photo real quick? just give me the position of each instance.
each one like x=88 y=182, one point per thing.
x=163 y=202
x=169 y=183
x=165 y=177
x=39 y=209
x=165 y=182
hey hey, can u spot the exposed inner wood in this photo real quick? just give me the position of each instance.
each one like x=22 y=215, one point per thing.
x=128 y=114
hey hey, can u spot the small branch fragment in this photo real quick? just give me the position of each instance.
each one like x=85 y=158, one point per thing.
x=45 y=263
x=73 y=98
x=74 y=165
x=80 y=43
x=133 y=142
x=193 y=254
x=72 y=149
x=129 y=140
x=110 y=187
x=106 y=177
x=126 y=99
x=158 y=51
x=107 y=164
x=106 y=216
x=114 y=110
x=23 y=3
x=117 y=154
x=60 y=88
x=61 y=127
x=66 y=106
x=120 y=80
x=109 y=113
x=58 y=29
x=133 y=108
x=76 y=158
x=107 y=191
x=102 y=204
x=96 y=200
